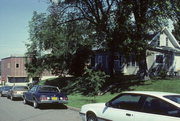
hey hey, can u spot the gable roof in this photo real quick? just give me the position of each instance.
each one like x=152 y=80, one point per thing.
x=169 y=35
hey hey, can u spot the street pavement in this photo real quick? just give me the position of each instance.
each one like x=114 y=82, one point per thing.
x=17 y=111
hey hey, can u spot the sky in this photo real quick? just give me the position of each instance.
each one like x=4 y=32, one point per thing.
x=14 y=21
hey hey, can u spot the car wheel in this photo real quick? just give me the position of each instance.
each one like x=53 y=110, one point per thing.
x=35 y=104
x=0 y=95
x=91 y=117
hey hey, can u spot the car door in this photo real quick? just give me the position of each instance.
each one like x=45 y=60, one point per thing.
x=122 y=108
x=155 y=109
x=30 y=93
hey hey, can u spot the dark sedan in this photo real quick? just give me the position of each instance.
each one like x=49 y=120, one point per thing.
x=44 y=94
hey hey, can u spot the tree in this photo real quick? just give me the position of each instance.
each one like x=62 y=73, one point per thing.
x=53 y=42
x=102 y=15
x=176 y=30
x=34 y=49
x=149 y=16
x=123 y=24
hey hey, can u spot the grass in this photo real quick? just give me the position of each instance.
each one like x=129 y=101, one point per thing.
x=159 y=85
x=173 y=85
x=79 y=100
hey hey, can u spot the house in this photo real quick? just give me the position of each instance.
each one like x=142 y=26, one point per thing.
x=13 y=71
x=163 y=54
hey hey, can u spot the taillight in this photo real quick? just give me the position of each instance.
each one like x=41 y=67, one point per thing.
x=63 y=98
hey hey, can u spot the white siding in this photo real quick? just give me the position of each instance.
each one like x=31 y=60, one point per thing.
x=163 y=41
x=177 y=63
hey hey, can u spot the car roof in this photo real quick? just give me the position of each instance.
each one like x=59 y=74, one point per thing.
x=47 y=86
x=152 y=93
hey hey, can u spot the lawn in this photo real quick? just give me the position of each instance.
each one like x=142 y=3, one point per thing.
x=173 y=85
x=78 y=100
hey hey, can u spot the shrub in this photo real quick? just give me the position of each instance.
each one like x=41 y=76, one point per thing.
x=91 y=82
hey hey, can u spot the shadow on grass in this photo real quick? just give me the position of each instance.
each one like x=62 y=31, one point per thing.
x=122 y=83
x=116 y=84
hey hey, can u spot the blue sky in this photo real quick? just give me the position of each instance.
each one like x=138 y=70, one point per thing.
x=14 y=18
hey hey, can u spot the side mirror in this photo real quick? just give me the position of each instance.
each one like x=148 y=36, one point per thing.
x=108 y=104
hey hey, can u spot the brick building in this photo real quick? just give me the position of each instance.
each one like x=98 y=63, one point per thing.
x=13 y=71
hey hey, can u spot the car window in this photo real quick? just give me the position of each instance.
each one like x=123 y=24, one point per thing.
x=48 y=89
x=33 y=89
x=18 y=88
x=6 y=88
x=158 y=106
x=175 y=98
x=127 y=101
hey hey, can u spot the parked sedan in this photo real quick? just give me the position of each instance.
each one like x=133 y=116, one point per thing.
x=16 y=92
x=44 y=95
x=135 y=106
x=4 y=90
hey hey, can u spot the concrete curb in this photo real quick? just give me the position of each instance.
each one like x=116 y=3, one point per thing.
x=73 y=108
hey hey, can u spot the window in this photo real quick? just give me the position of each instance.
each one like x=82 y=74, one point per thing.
x=33 y=89
x=158 y=106
x=158 y=43
x=131 y=60
x=48 y=89
x=17 y=65
x=99 y=59
x=159 y=59
x=174 y=98
x=20 y=88
x=127 y=101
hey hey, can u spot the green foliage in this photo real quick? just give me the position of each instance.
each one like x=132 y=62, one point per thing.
x=163 y=73
x=176 y=30
x=114 y=25
x=91 y=82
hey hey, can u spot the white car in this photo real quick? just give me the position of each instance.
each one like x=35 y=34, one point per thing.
x=135 y=106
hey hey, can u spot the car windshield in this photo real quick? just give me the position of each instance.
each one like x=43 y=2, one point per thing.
x=7 y=88
x=48 y=89
x=175 y=98
x=18 y=88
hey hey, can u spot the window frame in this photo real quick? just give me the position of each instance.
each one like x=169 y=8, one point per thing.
x=109 y=104
x=163 y=101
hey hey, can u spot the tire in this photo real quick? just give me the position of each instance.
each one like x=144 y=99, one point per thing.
x=35 y=104
x=91 y=117
x=1 y=95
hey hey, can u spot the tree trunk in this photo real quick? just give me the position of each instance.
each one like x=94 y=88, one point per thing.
x=143 y=70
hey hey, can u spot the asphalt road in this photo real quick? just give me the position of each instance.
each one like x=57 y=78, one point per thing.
x=17 y=111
